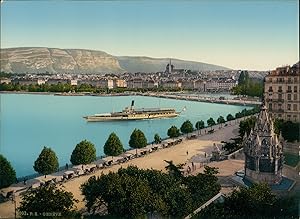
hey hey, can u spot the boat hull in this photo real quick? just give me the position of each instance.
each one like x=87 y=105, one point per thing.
x=128 y=117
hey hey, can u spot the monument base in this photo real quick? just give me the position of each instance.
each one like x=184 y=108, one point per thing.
x=259 y=177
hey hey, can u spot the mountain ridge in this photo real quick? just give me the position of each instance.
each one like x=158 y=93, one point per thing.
x=56 y=60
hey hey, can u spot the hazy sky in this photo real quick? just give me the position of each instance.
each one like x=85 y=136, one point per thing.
x=259 y=34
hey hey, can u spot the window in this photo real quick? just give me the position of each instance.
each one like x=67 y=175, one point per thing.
x=289 y=80
x=270 y=89
x=295 y=97
x=289 y=106
x=289 y=97
x=280 y=96
x=295 y=107
x=295 y=88
x=296 y=80
x=289 y=89
x=270 y=106
x=279 y=105
x=280 y=89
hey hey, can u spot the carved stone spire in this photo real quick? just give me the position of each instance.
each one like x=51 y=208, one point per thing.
x=263 y=151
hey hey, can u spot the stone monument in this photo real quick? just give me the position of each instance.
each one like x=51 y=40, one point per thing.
x=263 y=152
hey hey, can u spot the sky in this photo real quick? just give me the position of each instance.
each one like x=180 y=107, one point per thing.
x=253 y=35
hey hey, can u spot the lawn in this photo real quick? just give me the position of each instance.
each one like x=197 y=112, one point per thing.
x=291 y=159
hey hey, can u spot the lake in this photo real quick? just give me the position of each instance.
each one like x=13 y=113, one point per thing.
x=28 y=122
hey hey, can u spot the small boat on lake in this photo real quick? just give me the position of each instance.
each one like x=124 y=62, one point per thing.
x=130 y=113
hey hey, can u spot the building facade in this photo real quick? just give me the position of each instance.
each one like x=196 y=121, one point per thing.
x=282 y=93
x=263 y=152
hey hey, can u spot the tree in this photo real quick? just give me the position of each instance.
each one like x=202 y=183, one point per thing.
x=186 y=127
x=84 y=153
x=246 y=126
x=229 y=118
x=137 y=139
x=7 y=173
x=47 y=162
x=256 y=201
x=173 y=132
x=113 y=146
x=173 y=169
x=134 y=192
x=199 y=125
x=157 y=139
x=289 y=130
x=221 y=120
x=48 y=199
x=211 y=122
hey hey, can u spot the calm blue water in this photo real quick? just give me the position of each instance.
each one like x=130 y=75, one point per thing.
x=29 y=122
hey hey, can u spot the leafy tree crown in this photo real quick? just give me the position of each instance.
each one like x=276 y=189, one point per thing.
x=173 y=132
x=137 y=139
x=186 y=127
x=113 y=146
x=47 y=162
x=199 y=125
x=211 y=122
x=7 y=173
x=48 y=198
x=84 y=153
x=157 y=139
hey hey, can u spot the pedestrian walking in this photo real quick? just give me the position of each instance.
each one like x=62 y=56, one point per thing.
x=187 y=152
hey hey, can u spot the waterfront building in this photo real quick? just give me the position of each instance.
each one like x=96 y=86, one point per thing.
x=25 y=81
x=170 y=84
x=200 y=85
x=211 y=86
x=55 y=81
x=105 y=83
x=5 y=80
x=119 y=83
x=99 y=83
x=263 y=151
x=282 y=93
x=135 y=83
x=41 y=81
x=73 y=82
x=188 y=84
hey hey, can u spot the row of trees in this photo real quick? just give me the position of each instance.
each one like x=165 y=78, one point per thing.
x=187 y=126
x=85 y=152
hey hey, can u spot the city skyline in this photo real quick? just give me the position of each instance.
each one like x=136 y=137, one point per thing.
x=251 y=35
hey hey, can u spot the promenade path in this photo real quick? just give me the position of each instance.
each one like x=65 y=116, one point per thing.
x=200 y=146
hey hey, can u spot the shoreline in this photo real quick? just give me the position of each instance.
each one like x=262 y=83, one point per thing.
x=203 y=99
x=203 y=132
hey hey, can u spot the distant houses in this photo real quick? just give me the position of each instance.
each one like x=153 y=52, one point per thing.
x=171 y=78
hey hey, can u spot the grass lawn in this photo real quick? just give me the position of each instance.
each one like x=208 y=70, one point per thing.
x=291 y=159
